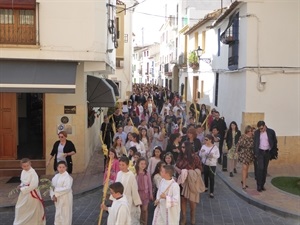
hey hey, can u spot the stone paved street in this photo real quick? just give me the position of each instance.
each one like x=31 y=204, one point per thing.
x=225 y=209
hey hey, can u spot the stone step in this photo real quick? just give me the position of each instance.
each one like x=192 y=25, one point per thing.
x=11 y=168
x=15 y=164
x=17 y=172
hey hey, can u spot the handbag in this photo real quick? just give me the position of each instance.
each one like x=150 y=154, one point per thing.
x=225 y=148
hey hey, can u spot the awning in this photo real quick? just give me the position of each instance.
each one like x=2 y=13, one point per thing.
x=17 y=4
x=100 y=93
x=37 y=76
x=114 y=86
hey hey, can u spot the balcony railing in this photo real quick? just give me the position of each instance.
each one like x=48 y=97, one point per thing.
x=18 y=26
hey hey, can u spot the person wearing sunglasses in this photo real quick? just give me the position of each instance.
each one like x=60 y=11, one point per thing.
x=209 y=154
x=265 y=148
x=63 y=150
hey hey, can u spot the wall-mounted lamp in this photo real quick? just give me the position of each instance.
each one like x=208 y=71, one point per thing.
x=199 y=52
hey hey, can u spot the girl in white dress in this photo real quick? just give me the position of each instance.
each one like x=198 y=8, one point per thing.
x=157 y=138
x=61 y=195
x=145 y=140
x=138 y=144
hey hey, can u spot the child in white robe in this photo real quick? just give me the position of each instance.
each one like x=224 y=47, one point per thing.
x=127 y=178
x=119 y=212
x=61 y=194
x=167 y=211
x=29 y=208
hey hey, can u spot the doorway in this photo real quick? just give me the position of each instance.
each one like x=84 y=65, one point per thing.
x=30 y=125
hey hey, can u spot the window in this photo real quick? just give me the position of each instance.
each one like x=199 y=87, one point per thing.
x=203 y=40
x=185 y=21
x=233 y=51
x=18 y=25
x=27 y=17
x=117 y=21
x=219 y=41
x=177 y=11
x=217 y=89
x=6 y=16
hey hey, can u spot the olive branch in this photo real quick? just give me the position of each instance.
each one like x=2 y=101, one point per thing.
x=44 y=186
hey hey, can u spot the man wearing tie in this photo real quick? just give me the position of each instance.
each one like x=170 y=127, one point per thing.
x=264 y=141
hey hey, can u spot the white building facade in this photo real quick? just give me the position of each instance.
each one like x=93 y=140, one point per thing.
x=255 y=69
x=46 y=73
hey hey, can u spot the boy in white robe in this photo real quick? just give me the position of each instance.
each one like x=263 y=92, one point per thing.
x=167 y=211
x=127 y=178
x=29 y=209
x=119 y=212
x=61 y=194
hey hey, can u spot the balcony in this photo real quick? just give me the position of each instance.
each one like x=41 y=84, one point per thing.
x=18 y=26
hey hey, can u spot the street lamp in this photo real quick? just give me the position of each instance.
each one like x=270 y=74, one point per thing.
x=199 y=52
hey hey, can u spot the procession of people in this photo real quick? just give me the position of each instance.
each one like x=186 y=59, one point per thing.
x=169 y=148
x=156 y=153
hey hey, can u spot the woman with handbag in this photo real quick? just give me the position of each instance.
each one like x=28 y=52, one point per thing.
x=232 y=138
x=209 y=154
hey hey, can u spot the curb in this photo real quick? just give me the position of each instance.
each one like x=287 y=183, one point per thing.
x=252 y=201
x=48 y=202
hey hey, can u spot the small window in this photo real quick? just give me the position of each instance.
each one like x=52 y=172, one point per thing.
x=219 y=41
x=27 y=17
x=217 y=89
x=6 y=16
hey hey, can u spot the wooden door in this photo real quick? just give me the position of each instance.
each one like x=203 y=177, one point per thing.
x=8 y=127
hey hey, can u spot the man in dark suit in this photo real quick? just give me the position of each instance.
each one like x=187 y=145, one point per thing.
x=265 y=141
x=222 y=127
x=160 y=100
x=134 y=97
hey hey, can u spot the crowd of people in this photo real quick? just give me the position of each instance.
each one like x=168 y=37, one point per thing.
x=165 y=147
x=158 y=152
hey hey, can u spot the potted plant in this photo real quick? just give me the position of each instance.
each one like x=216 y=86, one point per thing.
x=193 y=60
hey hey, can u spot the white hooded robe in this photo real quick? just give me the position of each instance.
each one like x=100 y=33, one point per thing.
x=167 y=212
x=62 y=184
x=29 y=209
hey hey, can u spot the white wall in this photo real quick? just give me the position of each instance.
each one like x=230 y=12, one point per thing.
x=232 y=96
x=279 y=101
x=69 y=30
x=277 y=48
x=278 y=33
x=124 y=75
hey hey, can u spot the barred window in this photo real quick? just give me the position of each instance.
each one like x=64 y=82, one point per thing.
x=6 y=16
x=27 y=17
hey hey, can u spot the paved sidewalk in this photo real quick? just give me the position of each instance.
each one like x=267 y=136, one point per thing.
x=273 y=199
x=91 y=179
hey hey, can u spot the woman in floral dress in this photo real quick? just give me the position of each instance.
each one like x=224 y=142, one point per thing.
x=245 y=153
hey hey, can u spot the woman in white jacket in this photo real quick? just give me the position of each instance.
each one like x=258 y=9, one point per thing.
x=61 y=194
x=209 y=154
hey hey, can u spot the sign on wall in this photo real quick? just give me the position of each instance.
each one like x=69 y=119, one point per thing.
x=69 y=109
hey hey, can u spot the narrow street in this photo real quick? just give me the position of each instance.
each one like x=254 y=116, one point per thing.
x=225 y=209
